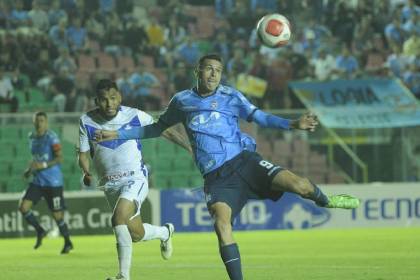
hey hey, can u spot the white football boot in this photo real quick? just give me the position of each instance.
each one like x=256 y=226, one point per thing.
x=166 y=248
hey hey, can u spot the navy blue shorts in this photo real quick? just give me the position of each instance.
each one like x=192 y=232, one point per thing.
x=52 y=195
x=246 y=176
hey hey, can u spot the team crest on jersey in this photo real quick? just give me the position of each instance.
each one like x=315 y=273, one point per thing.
x=213 y=105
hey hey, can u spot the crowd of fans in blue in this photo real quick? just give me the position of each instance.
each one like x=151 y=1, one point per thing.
x=42 y=43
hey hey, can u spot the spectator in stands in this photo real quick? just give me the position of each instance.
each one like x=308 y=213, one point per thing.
x=236 y=65
x=124 y=86
x=181 y=79
x=410 y=9
x=396 y=61
x=95 y=27
x=324 y=65
x=394 y=33
x=142 y=83
x=346 y=64
x=77 y=36
x=55 y=13
x=411 y=46
x=413 y=24
x=188 y=52
x=174 y=33
x=343 y=22
x=58 y=34
x=155 y=33
x=62 y=87
x=6 y=92
x=18 y=16
x=222 y=45
x=224 y=8
x=39 y=17
x=411 y=78
x=65 y=60
x=135 y=37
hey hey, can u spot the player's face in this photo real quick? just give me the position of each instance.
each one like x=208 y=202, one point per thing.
x=209 y=75
x=40 y=124
x=109 y=102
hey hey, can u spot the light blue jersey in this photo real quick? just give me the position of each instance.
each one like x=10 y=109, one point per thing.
x=42 y=149
x=212 y=124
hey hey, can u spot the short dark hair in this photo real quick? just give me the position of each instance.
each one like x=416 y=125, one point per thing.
x=105 y=85
x=40 y=114
x=213 y=56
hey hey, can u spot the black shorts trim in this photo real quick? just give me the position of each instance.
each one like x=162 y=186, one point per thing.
x=52 y=195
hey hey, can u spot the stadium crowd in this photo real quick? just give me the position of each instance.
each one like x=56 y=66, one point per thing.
x=62 y=47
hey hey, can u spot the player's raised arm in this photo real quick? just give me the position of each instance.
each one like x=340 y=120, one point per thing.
x=136 y=132
x=307 y=121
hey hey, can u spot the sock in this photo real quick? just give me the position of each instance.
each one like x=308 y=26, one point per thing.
x=64 y=230
x=124 y=249
x=155 y=232
x=31 y=219
x=319 y=197
x=232 y=260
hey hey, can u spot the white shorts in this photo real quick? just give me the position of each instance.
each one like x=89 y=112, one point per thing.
x=133 y=188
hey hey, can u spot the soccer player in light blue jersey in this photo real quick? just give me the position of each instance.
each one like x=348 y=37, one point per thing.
x=47 y=180
x=233 y=172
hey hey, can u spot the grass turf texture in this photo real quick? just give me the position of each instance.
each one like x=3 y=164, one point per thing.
x=376 y=254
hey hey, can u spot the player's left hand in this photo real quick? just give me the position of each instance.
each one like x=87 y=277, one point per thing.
x=308 y=121
x=37 y=165
x=105 y=135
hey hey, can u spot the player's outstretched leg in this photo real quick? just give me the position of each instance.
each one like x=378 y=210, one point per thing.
x=287 y=181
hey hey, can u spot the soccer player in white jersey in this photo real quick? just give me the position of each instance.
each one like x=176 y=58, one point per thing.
x=120 y=169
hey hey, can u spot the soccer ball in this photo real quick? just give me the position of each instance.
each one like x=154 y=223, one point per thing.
x=274 y=30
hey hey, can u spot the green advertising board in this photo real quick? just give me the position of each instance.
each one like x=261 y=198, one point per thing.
x=87 y=213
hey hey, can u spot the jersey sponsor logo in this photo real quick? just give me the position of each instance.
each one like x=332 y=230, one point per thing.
x=202 y=119
x=213 y=105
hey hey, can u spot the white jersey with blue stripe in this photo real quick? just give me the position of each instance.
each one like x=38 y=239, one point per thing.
x=114 y=157
x=212 y=124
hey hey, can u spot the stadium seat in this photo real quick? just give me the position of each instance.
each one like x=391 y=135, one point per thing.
x=179 y=180
x=163 y=164
x=127 y=63
x=196 y=181
x=72 y=183
x=86 y=63
x=16 y=184
x=106 y=63
x=161 y=182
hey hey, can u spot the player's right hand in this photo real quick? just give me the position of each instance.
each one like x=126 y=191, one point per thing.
x=87 y=179
x=105 y=135
x=27 y=173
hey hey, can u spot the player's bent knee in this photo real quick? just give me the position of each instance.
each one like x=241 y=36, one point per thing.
x=136 y=237
x=118 y=220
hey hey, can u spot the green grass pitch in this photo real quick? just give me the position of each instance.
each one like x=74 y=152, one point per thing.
x=375 y=254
